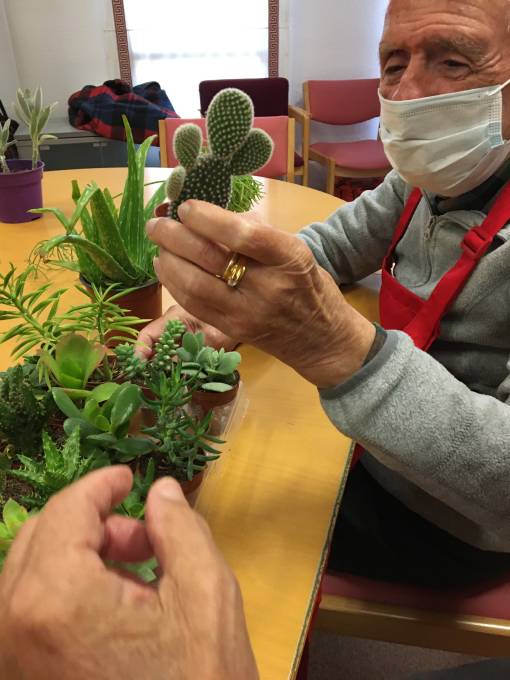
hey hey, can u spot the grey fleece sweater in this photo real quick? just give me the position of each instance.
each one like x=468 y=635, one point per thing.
x=436 y=425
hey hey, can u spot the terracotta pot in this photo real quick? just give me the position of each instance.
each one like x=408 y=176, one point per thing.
x=191 y=488
x=162 y=210
x=220 y=403
x=210 y=400
x=146 y=302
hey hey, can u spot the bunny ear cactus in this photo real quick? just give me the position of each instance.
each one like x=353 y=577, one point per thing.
x=235 y=149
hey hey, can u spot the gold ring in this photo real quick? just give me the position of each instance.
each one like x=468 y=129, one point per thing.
x=234 y=271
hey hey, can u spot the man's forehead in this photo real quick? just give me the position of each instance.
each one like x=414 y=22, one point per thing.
x=462 y=26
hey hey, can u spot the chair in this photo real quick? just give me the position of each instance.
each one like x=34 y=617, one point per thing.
x=280 y=128
x=472 y=620
x=345 y=102
x=270 y=97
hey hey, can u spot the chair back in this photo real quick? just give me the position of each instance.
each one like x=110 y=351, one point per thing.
x=342 y=102
x=280 y=128
x=270 y=96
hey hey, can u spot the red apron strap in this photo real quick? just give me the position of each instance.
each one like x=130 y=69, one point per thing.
x=405 y=218
x=424 y=327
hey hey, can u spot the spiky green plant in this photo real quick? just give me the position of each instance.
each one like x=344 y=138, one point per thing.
x=106 y=244
x=5 y=144
x=234 y=148
x=59 y=468
x=14 y=517
x=29 y=108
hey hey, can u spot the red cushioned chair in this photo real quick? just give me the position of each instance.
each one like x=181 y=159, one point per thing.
x=345 y=102
x=280 y=128
x=270 y=97
x=473 y=620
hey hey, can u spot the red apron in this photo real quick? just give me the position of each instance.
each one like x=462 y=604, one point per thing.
x=400 y=309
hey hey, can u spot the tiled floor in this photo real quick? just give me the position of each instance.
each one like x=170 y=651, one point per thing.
x=342 y=658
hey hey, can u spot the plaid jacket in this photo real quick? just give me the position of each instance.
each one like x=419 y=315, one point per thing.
x=100 y=109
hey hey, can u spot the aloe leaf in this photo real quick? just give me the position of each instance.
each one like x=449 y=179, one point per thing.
x=109 y=235
x=110 y=268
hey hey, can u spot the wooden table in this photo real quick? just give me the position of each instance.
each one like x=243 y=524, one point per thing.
x=272 y=497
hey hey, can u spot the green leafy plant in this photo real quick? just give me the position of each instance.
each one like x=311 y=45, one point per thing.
x=132 y=366
x=14 y=517
x=183 y=441
x=75 y=359
x=5 y=144
x=29 y=108
x=105 y=420
x=58 y=468
x=246 y=192
x=214 y=369
x=234 y=148
x=106 y=244
x=40 y=323
x=25 y=409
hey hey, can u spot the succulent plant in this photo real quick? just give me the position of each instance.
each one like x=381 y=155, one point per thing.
x=29 y=108
x=234 y=148
x=5 y=144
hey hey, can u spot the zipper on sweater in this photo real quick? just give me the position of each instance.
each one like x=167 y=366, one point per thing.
x=429 y=229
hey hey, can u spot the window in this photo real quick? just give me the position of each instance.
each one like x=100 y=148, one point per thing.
x=179 y=44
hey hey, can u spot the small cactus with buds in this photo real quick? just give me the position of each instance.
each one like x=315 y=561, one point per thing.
x=133 y=366
x=234 y=149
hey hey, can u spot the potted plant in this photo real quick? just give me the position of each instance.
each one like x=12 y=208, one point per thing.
x=73 y=405
x=21 y=180
x=106 y=243
x=234 y=150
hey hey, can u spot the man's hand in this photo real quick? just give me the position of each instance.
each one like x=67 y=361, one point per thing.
x=152 y=332
x=285 y=304
x=64 y=614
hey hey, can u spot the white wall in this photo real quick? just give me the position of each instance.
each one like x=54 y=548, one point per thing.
x=8 y=70
x=332 y=40
x=60 y=45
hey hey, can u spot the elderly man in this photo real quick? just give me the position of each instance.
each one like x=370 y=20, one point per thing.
x=425 y=396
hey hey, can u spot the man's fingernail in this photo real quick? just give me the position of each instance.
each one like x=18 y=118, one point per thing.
x=168 y=489
x=149 y=227
x=183 y=210
x=155 y=263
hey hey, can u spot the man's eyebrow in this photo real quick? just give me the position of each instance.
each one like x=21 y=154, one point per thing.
x=472 y=49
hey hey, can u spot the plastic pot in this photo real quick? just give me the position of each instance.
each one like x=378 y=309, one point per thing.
x=20 y=191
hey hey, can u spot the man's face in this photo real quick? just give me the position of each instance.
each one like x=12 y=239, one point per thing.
x=432 y=47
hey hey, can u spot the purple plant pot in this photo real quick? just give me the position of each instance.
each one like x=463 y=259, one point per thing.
x=20 y=190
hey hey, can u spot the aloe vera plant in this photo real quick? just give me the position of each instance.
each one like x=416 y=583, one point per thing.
x=105 y=243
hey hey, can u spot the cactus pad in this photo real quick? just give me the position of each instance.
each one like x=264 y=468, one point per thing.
x=235 y=148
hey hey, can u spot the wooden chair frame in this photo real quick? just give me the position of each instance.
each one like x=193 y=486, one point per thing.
x=334 y=170
x=459 y=633
x=291 y=132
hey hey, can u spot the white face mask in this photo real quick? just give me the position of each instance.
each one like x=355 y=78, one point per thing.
x=447 y=144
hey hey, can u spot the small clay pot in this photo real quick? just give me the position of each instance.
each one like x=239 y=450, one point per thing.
x=146 y=301
x=162 y=210
x=190 y=488
x=210 y=400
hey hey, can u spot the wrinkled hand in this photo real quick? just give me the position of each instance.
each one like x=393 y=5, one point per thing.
x=152 y=332
x=285 y=304
x=64 y=614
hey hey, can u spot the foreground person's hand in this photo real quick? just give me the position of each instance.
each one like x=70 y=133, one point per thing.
x=285 y=304
x=152 y=332
x=64 y=615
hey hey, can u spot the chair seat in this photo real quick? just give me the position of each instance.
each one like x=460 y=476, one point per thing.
x=490 y=600
x=362 y=155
